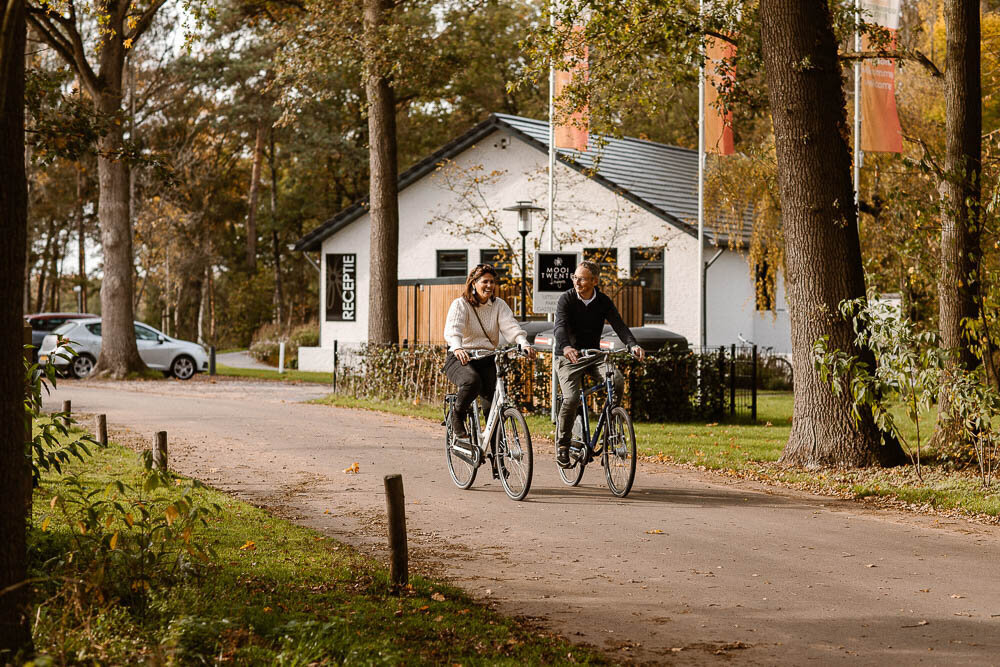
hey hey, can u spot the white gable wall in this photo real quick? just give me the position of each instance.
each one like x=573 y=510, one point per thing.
x=589 y=212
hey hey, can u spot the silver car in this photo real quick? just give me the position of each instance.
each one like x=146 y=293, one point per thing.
x=179 y=358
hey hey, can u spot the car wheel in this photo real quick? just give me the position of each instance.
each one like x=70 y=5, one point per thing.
x=182 y=368
x=82 y=366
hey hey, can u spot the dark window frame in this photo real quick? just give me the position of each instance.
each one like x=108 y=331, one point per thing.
x=638 y=264
x=450 y=268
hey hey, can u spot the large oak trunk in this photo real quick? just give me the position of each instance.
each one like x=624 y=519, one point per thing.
x=823 y=251
x=958 y=281
x=382 y=317
x=15 y=479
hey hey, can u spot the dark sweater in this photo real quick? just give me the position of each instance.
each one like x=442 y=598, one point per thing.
x=580 y=325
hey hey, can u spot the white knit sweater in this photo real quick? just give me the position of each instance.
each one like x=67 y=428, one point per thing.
x=462 y=330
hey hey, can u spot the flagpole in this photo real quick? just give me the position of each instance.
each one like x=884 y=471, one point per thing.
x=552 y=204
x=857 y=108
x=702 y=338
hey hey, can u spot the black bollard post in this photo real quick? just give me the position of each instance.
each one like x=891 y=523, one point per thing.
x=211 y=360
x=67 y=411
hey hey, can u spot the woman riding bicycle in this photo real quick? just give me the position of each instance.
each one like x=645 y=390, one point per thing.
x=476 y=321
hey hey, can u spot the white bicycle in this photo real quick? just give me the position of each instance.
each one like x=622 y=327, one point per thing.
x=504 y=440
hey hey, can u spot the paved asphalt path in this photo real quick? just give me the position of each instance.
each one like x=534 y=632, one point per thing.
x=741 y=574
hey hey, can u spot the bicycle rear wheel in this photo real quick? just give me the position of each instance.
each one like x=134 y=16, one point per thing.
x=513 y=454
x=463 y=473
x=572 y=475
x=619 y=452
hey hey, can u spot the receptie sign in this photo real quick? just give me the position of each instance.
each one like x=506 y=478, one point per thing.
x=341 y=287
x=553 y=271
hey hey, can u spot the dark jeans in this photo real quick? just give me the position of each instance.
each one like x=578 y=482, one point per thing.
x=478 y=377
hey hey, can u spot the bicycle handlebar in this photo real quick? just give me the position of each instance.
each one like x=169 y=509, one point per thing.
x=483 y=354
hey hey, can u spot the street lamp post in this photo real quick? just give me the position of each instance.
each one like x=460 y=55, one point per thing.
x=524 y=209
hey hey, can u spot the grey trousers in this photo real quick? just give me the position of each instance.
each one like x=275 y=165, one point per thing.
x=571 y=383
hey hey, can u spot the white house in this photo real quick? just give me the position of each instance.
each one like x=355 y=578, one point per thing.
x=637 y=208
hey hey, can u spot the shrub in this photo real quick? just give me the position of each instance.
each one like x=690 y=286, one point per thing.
x=267 y=340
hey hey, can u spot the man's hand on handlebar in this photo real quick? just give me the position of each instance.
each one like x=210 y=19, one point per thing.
x=571 y=353
x=638 y=352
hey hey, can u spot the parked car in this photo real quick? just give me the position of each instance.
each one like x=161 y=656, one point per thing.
x=42 y=324
x=179 y=358
x=650 y=338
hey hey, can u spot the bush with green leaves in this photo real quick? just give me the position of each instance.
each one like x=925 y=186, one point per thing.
x=910 y=369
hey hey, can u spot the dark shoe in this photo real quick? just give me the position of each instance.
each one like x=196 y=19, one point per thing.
x=458 y=429
x=562 y=457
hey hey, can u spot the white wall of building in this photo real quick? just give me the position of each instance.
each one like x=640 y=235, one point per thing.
x=433 y=216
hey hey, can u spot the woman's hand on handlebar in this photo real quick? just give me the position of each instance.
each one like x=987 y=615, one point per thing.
x=462 y=356
x=528 y=351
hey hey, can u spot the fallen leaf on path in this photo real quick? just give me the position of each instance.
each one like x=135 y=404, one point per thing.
x=249 y=546
x=654 y=531
x=921 y=623
x=957 y=596
x=352 y=469
x=925 y=590
x=871 y=565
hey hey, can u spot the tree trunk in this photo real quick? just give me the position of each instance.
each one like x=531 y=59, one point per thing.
x=823 y=265
x=81 y=239
x=958 y=281
x=119 y=354
x=383 y=186
x=43 y=269
x=258 y=156
x=279 y=295
x=15 y=479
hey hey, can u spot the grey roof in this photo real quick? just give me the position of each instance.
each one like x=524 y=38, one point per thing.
x=659 y=178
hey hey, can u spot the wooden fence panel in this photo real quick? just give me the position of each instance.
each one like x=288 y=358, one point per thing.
x=423 y=309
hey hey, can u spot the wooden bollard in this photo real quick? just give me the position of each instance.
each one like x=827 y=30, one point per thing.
x=102 y=430
x=160 y=451
x=399 y=572
x=67 y=411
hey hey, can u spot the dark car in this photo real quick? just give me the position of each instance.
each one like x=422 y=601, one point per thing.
x=43 y=324
x=650 y=338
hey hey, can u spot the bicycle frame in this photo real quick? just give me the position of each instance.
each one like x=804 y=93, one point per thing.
x=609 y=387
x=480 y=439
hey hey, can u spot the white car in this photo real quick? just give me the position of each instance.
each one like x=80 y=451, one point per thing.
x=179 y=358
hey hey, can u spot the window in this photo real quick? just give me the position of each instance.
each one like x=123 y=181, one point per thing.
x=647 y=270
x=606 y=258
x=94 y=329
x=452 y=263
x=501 y=261
x=142 y=333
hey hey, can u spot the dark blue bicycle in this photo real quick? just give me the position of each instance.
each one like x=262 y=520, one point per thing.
x=613 y=438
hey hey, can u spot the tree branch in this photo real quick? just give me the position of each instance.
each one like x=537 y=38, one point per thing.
x=915 y=56
x=145 y=20
x=69 y=48
x=721 y=36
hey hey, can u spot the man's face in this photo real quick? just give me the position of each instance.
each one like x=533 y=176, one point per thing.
x=584 y=281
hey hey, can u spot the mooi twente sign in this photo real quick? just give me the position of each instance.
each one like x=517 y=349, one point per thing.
x=553 y=271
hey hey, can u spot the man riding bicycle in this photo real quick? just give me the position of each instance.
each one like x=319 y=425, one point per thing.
x=580 y=316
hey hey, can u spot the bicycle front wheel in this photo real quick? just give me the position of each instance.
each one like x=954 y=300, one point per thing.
x=463 y=472
x=513 y=454
x=619 y=452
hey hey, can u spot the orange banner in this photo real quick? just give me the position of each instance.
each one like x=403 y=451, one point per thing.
x=718 y=124
x=573 y=130
x=880 y=129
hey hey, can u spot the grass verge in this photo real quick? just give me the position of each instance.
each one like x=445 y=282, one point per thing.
x=275 y=593
x=290 y=375
x=751 y=451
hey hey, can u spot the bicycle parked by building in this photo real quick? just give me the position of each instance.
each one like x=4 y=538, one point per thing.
x=613 y=439
x=504 y=440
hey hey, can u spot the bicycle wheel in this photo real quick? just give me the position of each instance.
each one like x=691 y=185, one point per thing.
x=513 y=454
x=619 y=452
x=572 y=475
x=462 y=472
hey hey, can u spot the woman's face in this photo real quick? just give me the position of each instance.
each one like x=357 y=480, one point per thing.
x=484 y=286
